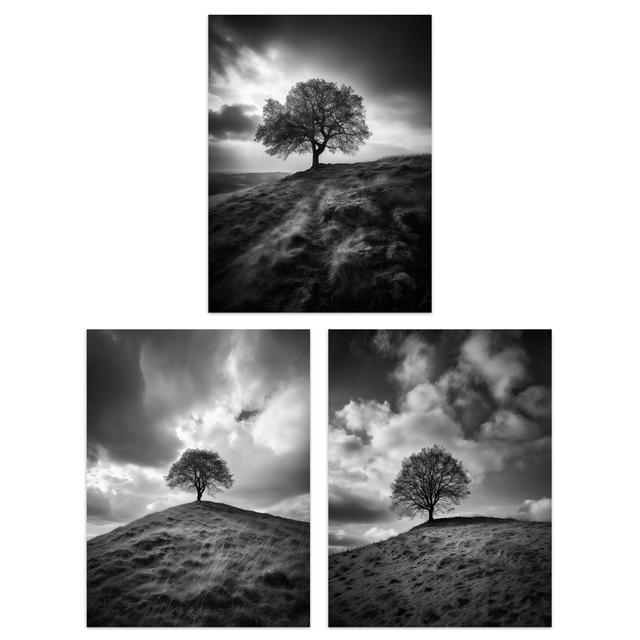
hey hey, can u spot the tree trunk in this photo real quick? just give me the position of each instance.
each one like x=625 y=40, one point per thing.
x=431 y=514
x=316 y=156
x=199 y=496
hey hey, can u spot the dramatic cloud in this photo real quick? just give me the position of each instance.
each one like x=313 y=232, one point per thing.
x=150 y=395
x=535 y=402
x=502 y=369
x=506 y=425
x=484 y=395
x=238 y=121
x=536 y=510
x=119 y=419
x=345 y=506
x=415 y=362
x=386 y=59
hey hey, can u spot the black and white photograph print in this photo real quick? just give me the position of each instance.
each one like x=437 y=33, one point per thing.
x=440 y=478
x=197 y=478
x=319 y=163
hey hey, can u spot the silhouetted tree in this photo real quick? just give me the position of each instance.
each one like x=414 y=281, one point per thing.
x=430 y=480
x=199 y=469
x=316 y=115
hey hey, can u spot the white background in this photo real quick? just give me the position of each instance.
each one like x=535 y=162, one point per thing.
x=103 y=203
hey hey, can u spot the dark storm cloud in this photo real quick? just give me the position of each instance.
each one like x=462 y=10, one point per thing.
x=356 y=369
x=223 y=46
x=390 y=53
x=345 y=506
x=235 y=121
x=468 y=399
x=535 y=402
x=117 y=419
x=246 y=414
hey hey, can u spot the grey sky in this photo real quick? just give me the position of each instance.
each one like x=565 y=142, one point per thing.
x=152 y=394
x=386 y=59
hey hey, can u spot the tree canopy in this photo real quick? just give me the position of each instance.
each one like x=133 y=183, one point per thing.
x=316 y=115
x=200 y=470
x=429 y=481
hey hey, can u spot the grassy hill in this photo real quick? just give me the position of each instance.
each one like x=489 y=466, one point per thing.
x=200 y=564
x=454 y=572
x=342 y=237
x=228 y=182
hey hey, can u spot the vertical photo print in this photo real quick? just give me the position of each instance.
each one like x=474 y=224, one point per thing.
x=440 y=478
x=320 y=163
x=197 y=478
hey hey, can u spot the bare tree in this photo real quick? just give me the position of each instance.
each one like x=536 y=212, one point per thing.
x=199 y=469
x=316 y=115
x=431 y=480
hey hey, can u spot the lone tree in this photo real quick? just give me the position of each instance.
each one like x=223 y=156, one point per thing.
x=316 y=115
x=429 y=481
x=199 y=469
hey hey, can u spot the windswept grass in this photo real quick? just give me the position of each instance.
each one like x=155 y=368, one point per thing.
x=474 y=572
x=200 y=564
x=343 y=237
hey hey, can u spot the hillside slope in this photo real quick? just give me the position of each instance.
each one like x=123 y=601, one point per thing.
x=200 y=564
x=342 y=237
x=460 y=572
x=229 y=182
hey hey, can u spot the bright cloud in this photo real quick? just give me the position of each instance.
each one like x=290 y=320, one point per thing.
x=536 y=510
x=467 y=393
x=378 y=533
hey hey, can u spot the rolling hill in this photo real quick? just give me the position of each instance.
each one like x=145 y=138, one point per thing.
x=454 y=572
x=229 y=182
x=200 y=564
x=341 y=237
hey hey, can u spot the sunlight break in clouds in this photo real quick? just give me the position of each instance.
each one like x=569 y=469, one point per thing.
x=153 y=394
x=254 y=58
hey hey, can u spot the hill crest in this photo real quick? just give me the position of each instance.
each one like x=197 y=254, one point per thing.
x=200 y=564
x=195 y=508
x=463 y=520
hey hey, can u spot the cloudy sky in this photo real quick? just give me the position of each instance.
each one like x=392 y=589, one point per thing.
x=386 y=59
x=153 y=394
x=484 y=395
